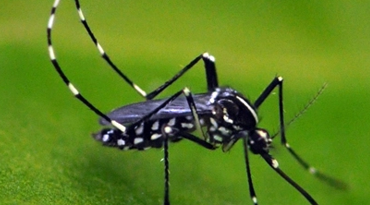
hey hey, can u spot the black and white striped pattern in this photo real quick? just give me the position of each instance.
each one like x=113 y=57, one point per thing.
x=71 y=87
x=222 y=115
x=104 y=55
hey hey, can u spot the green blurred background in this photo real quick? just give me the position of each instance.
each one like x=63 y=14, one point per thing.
x=48 y=156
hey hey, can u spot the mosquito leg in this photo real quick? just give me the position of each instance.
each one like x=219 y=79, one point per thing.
x=71 y=87
x=252 y=193
x=103 y=54
x=166 y=200
x=331 y=181
x=168 y=131
x=312 y=170
x=275 y=165
x=197 y=140
x=275 y=82
x=211 y=75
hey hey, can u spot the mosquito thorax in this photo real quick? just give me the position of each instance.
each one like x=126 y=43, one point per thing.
x=231 y=109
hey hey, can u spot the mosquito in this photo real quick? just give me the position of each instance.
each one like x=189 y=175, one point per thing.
x=222 y=115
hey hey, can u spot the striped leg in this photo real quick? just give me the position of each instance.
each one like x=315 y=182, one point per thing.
x=211 y=75
x=209 y=62
x=71 y=87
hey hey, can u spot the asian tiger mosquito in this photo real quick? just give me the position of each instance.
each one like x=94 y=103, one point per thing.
x=222 y=114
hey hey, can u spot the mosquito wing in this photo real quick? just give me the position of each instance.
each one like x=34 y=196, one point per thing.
x=177 y=108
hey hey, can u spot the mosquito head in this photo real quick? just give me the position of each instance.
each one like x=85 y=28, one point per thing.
x=259 y=141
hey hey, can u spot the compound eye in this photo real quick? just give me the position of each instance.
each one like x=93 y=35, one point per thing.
x=227 y=110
